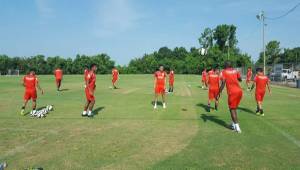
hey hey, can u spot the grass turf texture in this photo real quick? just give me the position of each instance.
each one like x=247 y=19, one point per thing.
x=127 y=133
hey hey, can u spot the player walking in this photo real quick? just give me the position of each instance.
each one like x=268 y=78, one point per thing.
x=231 y=77
x=30 y=82
x=260 y=82
x=90 y=86
x=58 y=73
x=115 y=77
x=160 y=86
x=171 y=81
x=213 y=83
x=249 y=77
x=204 y=74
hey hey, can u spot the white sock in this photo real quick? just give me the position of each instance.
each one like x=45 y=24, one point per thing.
x=89 y=113
x=164 y=105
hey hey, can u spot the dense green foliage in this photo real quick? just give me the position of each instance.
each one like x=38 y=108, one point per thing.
x=275 y=54
x=43 y=65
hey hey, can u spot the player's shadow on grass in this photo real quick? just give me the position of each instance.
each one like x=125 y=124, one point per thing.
x=214 y=119
x=204 y=106
x=246 y=110
x=159 y=103
x=64 y=89
x=97 y=110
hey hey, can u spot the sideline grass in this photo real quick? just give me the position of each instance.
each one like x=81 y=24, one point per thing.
x=127 y=133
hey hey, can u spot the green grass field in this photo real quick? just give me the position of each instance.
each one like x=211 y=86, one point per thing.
x=127 y=133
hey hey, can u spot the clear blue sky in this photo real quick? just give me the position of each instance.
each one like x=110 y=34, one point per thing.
x=126 y=29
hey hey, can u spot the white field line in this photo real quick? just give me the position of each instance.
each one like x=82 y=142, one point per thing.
x=188 y=90
x=283 y=133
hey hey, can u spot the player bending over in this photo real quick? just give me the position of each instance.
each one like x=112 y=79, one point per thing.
x=160 y=86
x=90 y=86
x=260 y=82
x=231 y=78
x=171 y=81
x=248 y=77
x=115 y=77
x=58 y=73
x=213 y=83
x=204 y=74
x=30 y=82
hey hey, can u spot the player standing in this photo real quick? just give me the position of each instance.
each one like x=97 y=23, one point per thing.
x=248 y=77
x=231 y=78
x=90 y=86
x=171 y=81
x=160 y=86
x=115 y=77
x=30 y=82
x=204 y=74
x=213 y=83
x=260 y=81
x=58 y=73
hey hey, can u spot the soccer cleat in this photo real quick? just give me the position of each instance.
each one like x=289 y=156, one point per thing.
x=262 y=112
x=90 y=114
x=164 y=105
x=83 y=114
x=155 y=106
x=22 y=112
x=208 y=108
x=237 y=128
x=232 y=126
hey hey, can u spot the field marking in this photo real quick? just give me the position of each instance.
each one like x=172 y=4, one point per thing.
x=130 y=91
x=283 y=133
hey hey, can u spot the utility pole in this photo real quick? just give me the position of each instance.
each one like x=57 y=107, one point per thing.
x=261 y=17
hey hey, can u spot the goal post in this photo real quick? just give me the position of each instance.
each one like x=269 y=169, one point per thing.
x=13 y=72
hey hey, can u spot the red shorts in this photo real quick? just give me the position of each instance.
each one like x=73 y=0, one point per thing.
x=160 y=89
x=203 y=80
x=114 y=79
x=89 y=97
x=259 y=96
x=58 y=80
x=234 y=99
x=171 y=82
x=30 y=94
x=212 y=94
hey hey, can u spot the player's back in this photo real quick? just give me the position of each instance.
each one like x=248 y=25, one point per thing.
x=231 y=77
x=261 y=82
x=58 y=73
x=30 y=82
x=214 y=81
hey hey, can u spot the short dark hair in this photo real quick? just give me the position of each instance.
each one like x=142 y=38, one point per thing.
x=259 y=70
x=227 y=64
x=92 y=65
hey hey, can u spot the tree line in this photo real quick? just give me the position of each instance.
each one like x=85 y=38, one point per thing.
x=43 y=65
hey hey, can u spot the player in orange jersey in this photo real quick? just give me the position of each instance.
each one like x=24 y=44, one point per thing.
x=260 y=82
x=30 y=82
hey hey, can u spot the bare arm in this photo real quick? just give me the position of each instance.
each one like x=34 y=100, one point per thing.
x=39 y=87
x=221 y=89
x=268 y=85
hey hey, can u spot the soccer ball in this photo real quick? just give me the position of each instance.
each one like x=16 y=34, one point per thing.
x=49 y=107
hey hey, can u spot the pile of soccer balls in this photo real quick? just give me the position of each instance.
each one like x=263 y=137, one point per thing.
x=42 y=113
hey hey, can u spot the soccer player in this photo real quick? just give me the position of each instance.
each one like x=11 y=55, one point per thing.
x=58 y=73
x=260 y=81
x=249 y=77
x=160 y=86
x=90 y=86
x=231 y=78
x=115 y=77
x=204 y=79
x=171 y=81
x=30 y=82
x=213 y=83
